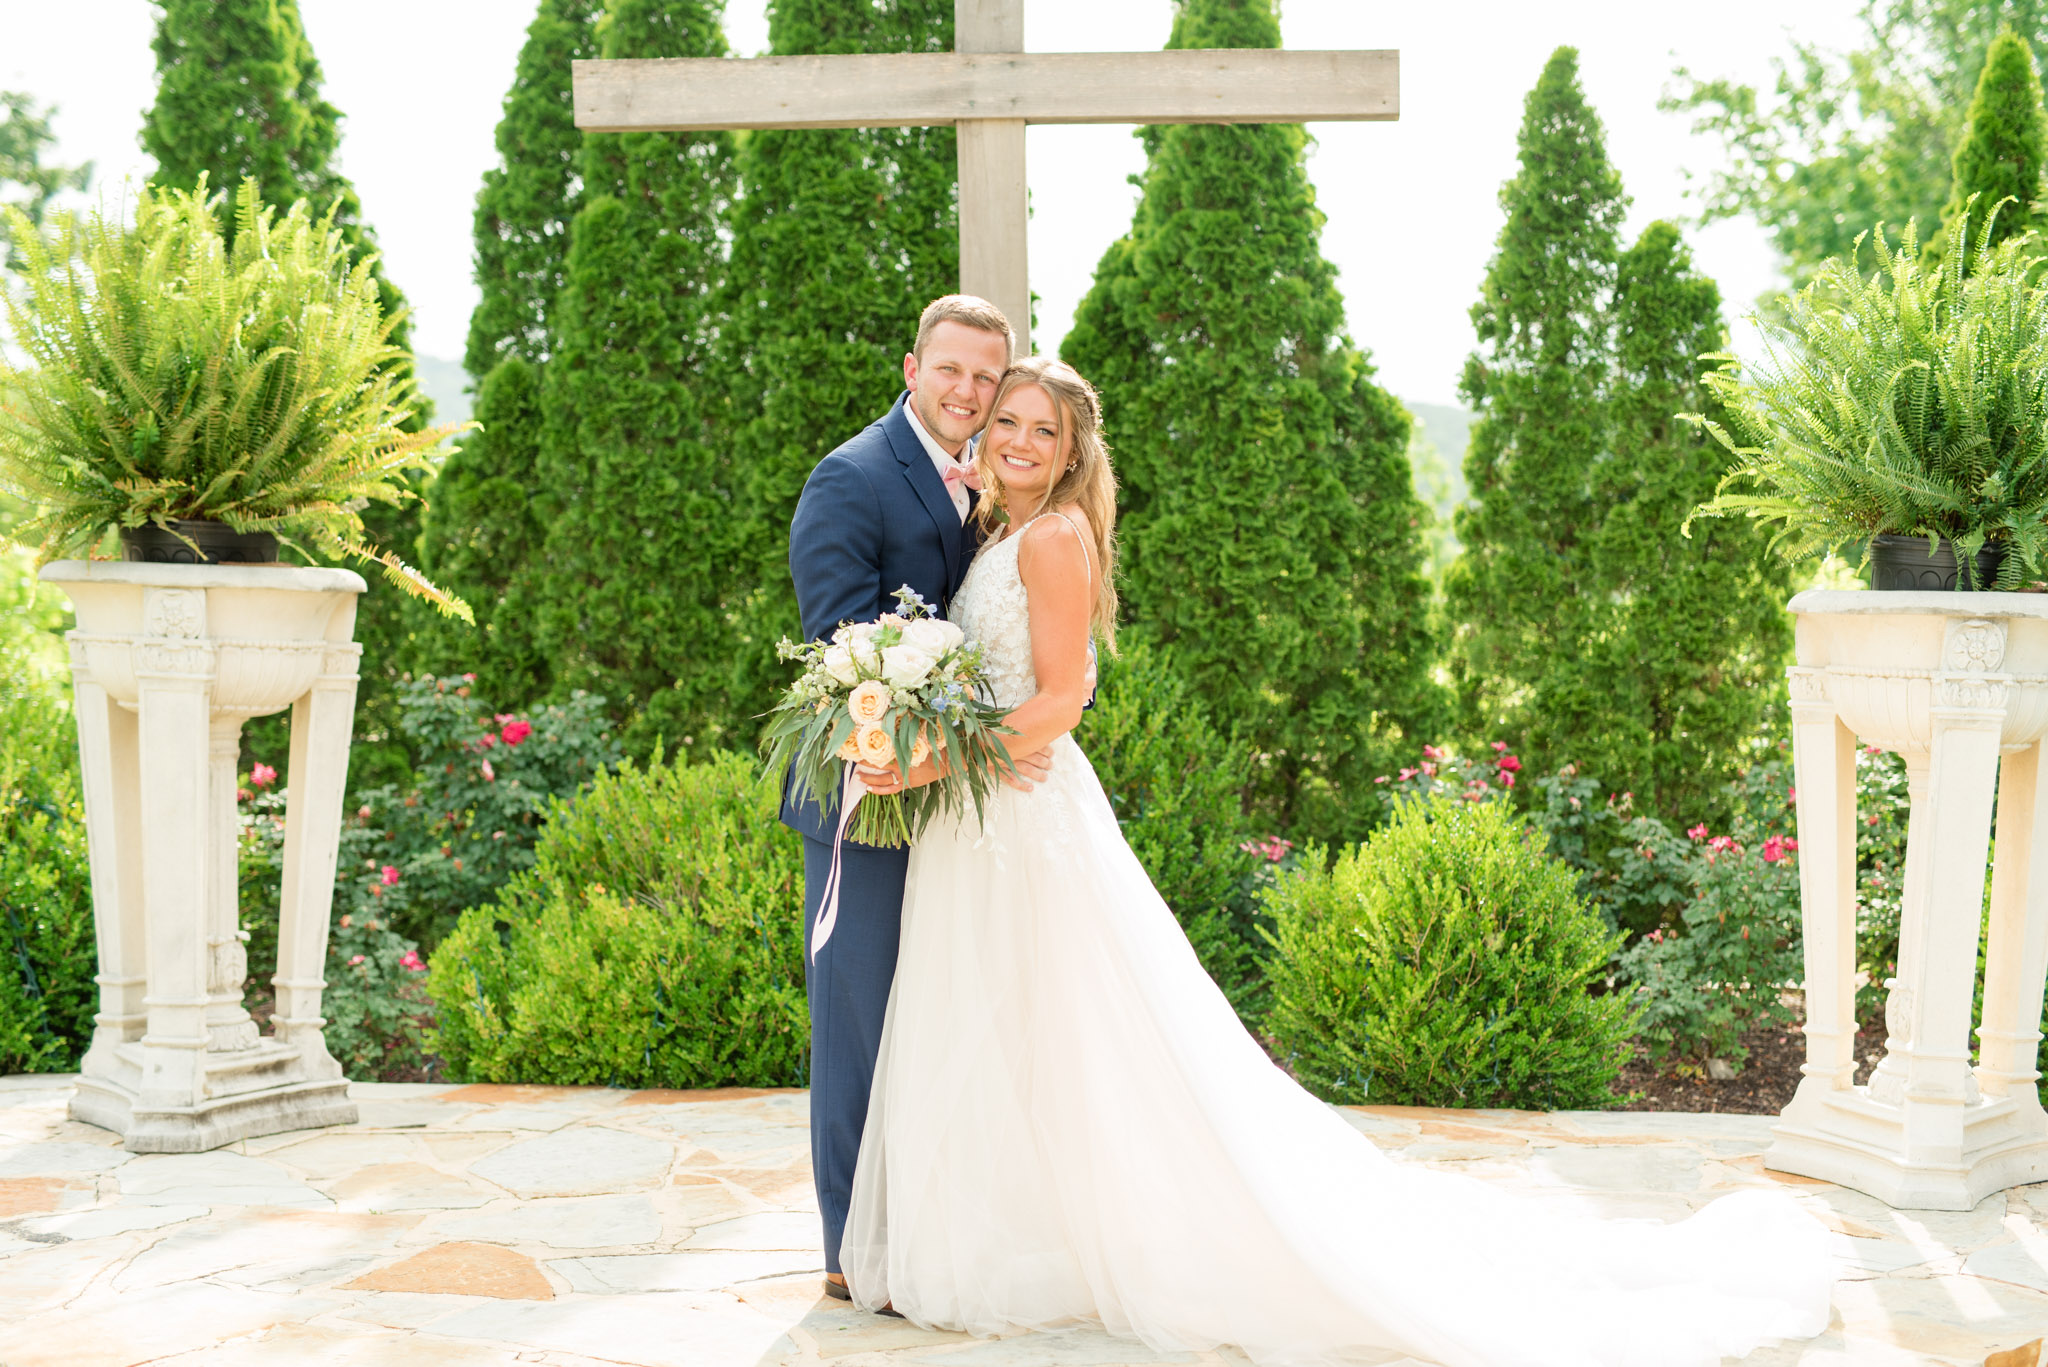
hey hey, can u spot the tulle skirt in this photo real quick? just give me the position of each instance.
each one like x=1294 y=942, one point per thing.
x=1068 y=1124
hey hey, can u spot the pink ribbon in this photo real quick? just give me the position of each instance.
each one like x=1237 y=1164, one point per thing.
x=851 y=791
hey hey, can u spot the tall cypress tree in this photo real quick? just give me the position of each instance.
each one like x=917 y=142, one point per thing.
x=628 y=598
x=528 y=199
x=238 y=95
x=1538 y=385
x=481 y=534
x=2002 y=151
x=1589 y=629
x=1688 y=636
x=840 y=238
x=1271 y=537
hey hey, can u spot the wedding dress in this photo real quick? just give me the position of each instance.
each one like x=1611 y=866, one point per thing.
x=1069 y=1123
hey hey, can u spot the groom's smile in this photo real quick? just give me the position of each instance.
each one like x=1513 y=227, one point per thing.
x=953 y=382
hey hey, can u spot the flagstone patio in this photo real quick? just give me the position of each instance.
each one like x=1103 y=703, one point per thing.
x=474 y=1226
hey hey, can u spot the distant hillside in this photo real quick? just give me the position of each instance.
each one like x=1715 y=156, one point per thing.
x=1436 y=455
x=444 y=381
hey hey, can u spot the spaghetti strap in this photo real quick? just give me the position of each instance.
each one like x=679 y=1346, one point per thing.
x=1086 y=556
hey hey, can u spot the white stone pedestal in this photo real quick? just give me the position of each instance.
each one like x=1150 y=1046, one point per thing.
x=1957 y=684
x=167 y=662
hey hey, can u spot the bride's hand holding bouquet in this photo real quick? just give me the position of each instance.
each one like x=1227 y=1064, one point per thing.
x=898 y=691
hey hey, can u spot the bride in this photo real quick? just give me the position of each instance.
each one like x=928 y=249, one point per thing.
x=1069 y=1124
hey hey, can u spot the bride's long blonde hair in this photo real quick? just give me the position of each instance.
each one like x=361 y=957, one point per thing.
x=1088 y=481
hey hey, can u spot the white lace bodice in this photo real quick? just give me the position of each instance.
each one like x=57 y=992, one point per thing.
x=994 y=609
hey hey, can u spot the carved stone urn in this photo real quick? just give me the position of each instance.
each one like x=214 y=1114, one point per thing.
x=167 y=662
x=1957 y=684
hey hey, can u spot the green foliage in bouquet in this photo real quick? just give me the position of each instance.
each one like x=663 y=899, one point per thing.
x=172 y=376
x=657 y=942
x=1913 y=402
x=1448 y=961
x=893 y=691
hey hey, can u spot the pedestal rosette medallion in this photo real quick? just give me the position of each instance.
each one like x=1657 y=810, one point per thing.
x=168 y=662
x=1957 y=684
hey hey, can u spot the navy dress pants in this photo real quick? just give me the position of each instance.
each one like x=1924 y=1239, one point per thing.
x=848 y=985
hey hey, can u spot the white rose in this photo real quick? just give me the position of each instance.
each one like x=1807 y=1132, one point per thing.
x=928 y=635
x=866 y=653
x=838 y=662
x=906 y=666
x=955 y=637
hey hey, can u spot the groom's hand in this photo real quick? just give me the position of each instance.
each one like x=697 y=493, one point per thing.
x=1031 y=770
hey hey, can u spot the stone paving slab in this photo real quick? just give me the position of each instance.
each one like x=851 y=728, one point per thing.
x=474 y=1226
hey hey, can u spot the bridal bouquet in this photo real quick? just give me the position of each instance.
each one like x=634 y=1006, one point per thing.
x=896 y=690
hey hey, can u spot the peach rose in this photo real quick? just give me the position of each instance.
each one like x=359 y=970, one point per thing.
x=875 y=746
x=869 y=702
x=850 y=751
x=920 y=750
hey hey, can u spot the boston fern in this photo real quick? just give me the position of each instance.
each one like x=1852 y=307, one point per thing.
x=172 y=376
x=1913 y=401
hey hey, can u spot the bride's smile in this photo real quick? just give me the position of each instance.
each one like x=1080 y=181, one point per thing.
x=1024 y=442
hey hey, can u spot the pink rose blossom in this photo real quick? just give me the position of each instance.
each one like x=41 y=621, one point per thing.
x=1500 y=747
x=490 y=774
x=243 y=794
x=1791 y=794
x=1698 y=832
x=469 y=678
x=516 y=731
x=1507 y=763
x=412 y=962
x=1507 y=780
x=353 y=962
x=262 y=775
x=1434 y=752
x=390 y=874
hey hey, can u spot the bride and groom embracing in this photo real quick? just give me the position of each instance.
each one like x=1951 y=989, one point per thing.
x=1031 y=1108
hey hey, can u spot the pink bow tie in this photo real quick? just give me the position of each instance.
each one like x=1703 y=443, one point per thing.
x=964 y=473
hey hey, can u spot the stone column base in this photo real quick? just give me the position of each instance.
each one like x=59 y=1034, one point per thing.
x=249 y=1092
x=1846 y=1138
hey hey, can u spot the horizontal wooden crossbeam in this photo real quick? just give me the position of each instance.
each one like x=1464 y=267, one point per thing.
x=895 y=90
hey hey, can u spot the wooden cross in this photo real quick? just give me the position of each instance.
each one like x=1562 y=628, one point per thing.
x=988 y=89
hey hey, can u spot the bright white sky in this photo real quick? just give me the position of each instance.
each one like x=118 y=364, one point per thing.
x=1411 y=205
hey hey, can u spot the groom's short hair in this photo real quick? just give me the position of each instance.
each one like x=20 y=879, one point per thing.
x=970 y=309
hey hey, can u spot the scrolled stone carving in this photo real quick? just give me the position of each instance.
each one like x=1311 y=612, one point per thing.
x=1807 y=685
x=1968 y=692
x=160 y=659
x=1898 y=1014
x=1976 y=646
x=175 y=613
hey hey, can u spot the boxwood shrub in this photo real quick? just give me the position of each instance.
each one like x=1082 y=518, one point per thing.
x=656 y=942
x=1446 y=962
x=47 y=952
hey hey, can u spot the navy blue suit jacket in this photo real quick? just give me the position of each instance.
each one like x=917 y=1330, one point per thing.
x=873 y=517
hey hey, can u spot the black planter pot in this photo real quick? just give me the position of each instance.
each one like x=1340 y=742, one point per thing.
x=1902 y=562
x=219 y=544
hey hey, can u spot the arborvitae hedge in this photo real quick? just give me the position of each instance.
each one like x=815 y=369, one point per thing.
x=1270 y=534
x=2002 y=151
x=481 y=535
x=238 y=94
x=1690 y=635
x=840 y=238
x=528 y=199
x=634 y=483
x=1588 y=629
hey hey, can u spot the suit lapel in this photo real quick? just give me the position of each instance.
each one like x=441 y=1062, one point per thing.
x=930 y=488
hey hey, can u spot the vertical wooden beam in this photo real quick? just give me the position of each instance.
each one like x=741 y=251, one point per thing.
x=994 y=203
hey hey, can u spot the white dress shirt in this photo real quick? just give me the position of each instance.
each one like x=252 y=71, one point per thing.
x=941 y=461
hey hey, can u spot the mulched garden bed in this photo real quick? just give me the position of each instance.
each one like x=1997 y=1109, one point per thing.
x=1763 y=1087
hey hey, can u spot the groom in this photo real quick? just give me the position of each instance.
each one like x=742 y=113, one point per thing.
x=888 y=508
